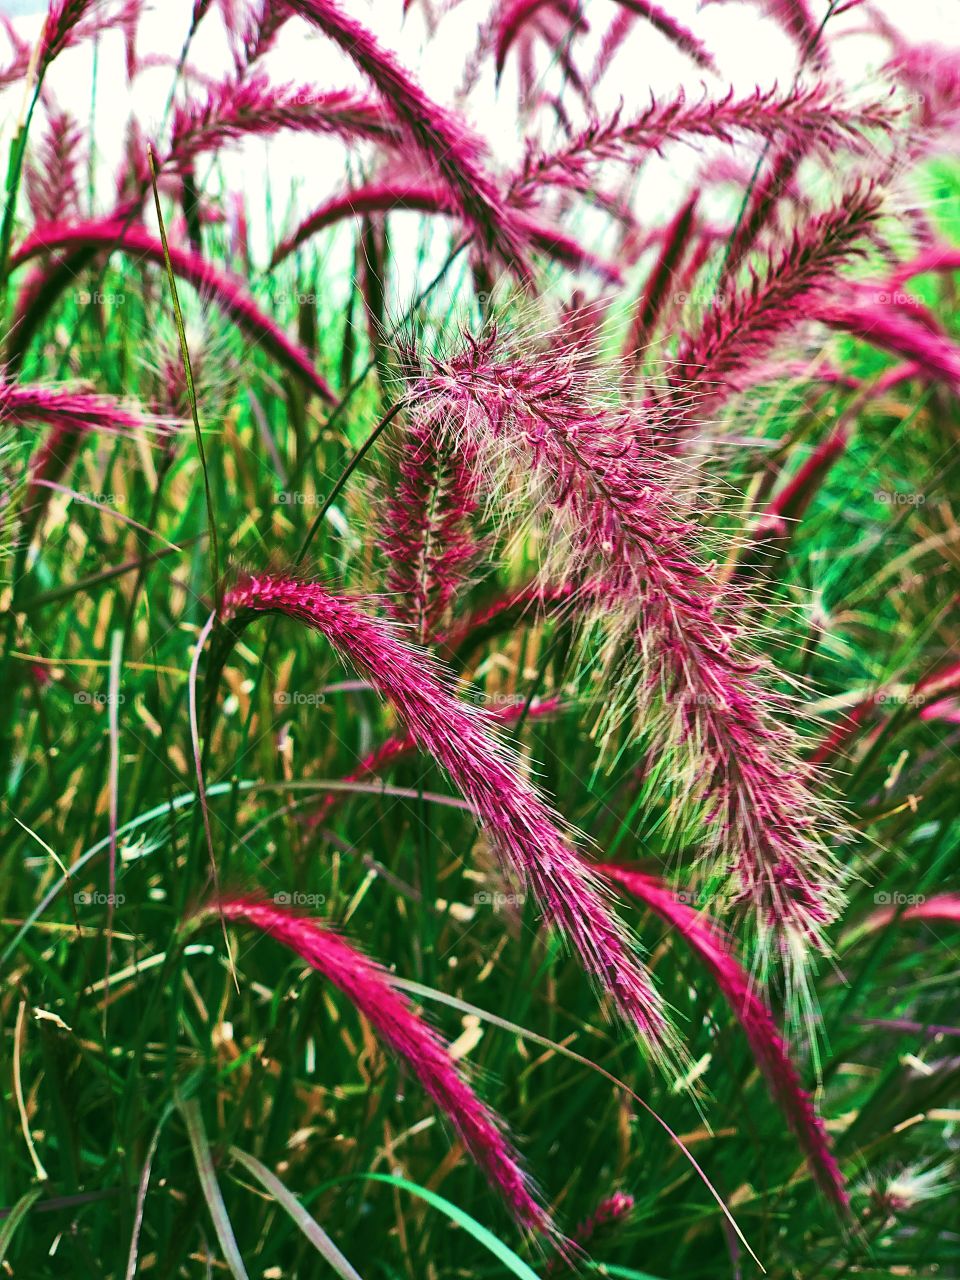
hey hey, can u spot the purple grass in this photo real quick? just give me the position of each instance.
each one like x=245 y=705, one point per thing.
x=676 y=238
x=460 y=738
x=237 y=109
x=53 y=178
x=750 y=322
x=382 y=197
x=31 y=402
x=429 y=544
x=620 y=539
x=769 y=1050
x=439 y=137
x=815 y=117
x=515 y=15
x=404 y=1032
x=227 y=291
x=793 y=499
x=942 y=908
x=901 y=334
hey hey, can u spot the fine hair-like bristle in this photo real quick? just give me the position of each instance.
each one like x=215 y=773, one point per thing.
x=460 y=738
x=617 y=535
x=766 y=1042
x=367 y=986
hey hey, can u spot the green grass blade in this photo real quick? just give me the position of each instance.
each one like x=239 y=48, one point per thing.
x=514 y=1264
x=16 y=1216
x=192 y=1118
x=307 y=1224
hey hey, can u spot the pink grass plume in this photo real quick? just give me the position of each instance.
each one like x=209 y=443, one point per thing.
x=750 y=322
x=236 y=109
x=227 y=290
x=738 y=989
x=460 y=737
x=429 y=542
x=899 y=332
x=428 y=197
x=442 y=140
x=676 y=238
x=404 y=1032
x=618 y=533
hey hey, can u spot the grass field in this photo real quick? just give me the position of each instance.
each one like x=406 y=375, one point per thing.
x=669 y=492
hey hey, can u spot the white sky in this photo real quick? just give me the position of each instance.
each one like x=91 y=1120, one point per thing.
x=749 y=49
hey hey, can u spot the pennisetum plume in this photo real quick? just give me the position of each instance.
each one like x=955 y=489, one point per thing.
x=404 y=1032
x=461 y=738
x=749 y=322
x=429 y=197
x=429 y=545
x=227 y=290
x=440 y=138
x=739 y=991
x=617 y=535
x=237 y=109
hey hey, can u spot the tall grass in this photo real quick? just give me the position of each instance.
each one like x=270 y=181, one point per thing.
x=570 y=687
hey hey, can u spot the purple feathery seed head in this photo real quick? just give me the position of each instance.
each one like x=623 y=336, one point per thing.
x=430 y=543
x=740 y=992
x=70 y=21
x=439 y=137
x=535 y=424
x=461 y=738
x=749 y=322
x=53 y=177
x=815 y=118
x=25 y=402
x=62 y=18
x=240 y=108
x=610 y=1213
x=367 y=985
x=899 y=332
x=227 y=290
x=429 y=197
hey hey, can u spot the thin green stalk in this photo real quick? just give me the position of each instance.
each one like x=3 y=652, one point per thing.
x=191 y=390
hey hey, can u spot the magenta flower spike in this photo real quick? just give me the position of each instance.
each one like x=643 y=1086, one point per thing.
x=404 y=1032
x=461 y=738
x=189 y=265
x=619 y=536
x=741 y=994
x=440 y=138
